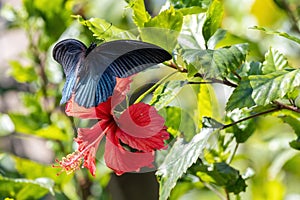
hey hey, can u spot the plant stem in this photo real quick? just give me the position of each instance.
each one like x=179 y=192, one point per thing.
x=201 y=82
x=233 y=153
x=227 y=195
x=153 y=87
x=287 y=107
x=217 y=192
x=213 y=80
x=250 y=117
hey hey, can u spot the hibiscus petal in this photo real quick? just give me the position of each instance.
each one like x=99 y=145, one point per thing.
x=155 y=142
x=73 y=109
x=120 y=91
x=88 y=140
x=142 y=128
x=121 y=161
x=141 y=121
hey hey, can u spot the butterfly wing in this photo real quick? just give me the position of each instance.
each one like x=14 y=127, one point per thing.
x=70 y=54
x=120 y=58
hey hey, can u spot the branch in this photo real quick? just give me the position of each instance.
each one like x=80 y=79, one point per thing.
x=279 y=106
x=287 y=107
x=252 y=116
x=213 y=80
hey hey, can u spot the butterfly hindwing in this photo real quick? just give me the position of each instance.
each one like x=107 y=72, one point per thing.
x=90 y=92
x=69 y=53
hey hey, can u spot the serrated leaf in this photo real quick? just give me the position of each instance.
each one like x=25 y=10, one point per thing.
x=283 y=34
x=274 y=61
x=216 y=63
x=163 y=30
x=22 y=74
x=255 y=68
x=25 y=188
x=140 y=15
x=191 y=37
x=181 y=156
x=214 y=16
x=223 y=175
x=241 y=96
x=269 y=87
x=216 y=38
x=243 y=130
x=101 y=29
x=166 y=92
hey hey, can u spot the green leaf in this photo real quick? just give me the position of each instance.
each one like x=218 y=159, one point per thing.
x=209 y=122
x=52 y=132
x=243 y=130
x=24 y=124
x=216 y=63
x=179 y=120
x=22 y=74
x=216 y=38
x=30 y=125
x=295 y=144
x=140 y=15
x=191 y=10
x=190 y=3
x=190 y=37
x=241 y=96
x=181 y=156
x=274 y=61
x=293 y=122
x=213 y=19
x=283 y=34
x=207 y=103
x=255 y=68
x=163 y=30
x=223 y=175
x=50 y=12
x=269 y=87
x=166 y=92
x=25 y=188
x=25 y=167
x=101 y=29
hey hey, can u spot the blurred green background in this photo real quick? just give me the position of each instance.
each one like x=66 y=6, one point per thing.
x=34 y=129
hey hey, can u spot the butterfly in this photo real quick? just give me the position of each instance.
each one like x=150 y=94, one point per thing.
x=91 y=71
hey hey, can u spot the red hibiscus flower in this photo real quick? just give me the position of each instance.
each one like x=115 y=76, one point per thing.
x=138 y=127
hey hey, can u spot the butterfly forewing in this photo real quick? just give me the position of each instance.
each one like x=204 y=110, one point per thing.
x=98 y=69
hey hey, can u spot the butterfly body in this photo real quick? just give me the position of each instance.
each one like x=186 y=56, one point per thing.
x=91 y=72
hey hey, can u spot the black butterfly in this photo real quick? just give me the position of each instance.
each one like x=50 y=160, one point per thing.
x=91 y=72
